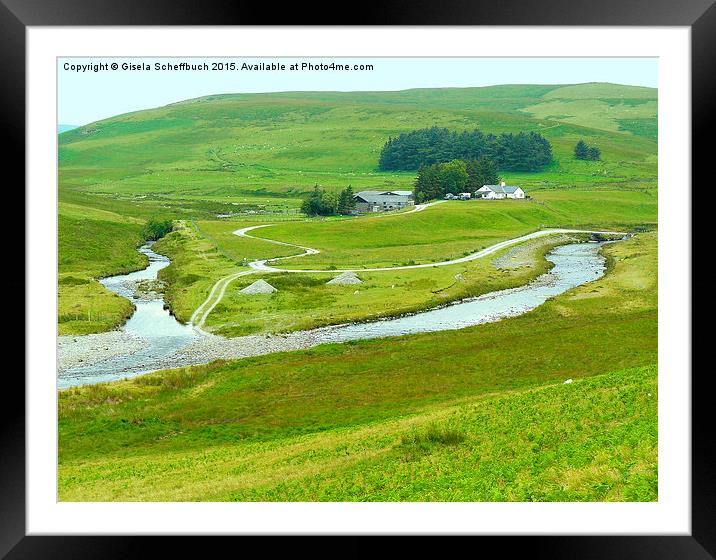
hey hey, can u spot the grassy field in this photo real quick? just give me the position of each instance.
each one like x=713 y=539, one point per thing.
x=441 y=416
x=455 y=229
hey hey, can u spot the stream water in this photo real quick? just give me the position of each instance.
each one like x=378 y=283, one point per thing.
x=166 y=338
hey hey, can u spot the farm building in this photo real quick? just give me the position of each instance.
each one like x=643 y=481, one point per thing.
x=493 y=192
x=380 y=201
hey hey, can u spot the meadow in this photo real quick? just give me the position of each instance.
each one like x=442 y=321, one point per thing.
x=455 y=415
x=231 y=148
x=457 y=228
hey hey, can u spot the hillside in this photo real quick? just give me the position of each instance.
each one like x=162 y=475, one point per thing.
x=283 y=143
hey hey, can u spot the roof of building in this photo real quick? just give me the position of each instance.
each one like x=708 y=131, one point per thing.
x=379 y=197
x=398 y=193
x=501 y=189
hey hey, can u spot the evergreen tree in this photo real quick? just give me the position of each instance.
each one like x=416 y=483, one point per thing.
x=346 y=202
x=583 y=151
x=420 y=186
x=580 y=150
x=311 y=204
x=452 y=176
x=319 y=203
x=480 y=172
x=427 y=184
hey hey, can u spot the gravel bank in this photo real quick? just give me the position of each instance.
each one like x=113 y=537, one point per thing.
x=211 y=347
x=523 y=255
x=90 y=349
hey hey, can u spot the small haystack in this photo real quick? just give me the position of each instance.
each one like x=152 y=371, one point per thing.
x=346 y=279
x=259 y=287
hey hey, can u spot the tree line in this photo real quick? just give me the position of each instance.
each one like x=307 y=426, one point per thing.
x=456 y=176
x=524 y=151
x=323 y=203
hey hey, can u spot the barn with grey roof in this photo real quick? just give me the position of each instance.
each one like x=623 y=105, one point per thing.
x=381 y=201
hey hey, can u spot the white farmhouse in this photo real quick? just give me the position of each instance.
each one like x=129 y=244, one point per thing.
x=494 y=192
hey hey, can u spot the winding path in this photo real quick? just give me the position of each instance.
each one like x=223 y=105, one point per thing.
x=217 y=291
x=261 y=266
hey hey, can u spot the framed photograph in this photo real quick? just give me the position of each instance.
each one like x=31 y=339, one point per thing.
x=426 y=275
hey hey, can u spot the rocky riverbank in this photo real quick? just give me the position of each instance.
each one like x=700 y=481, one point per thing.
x=524 y=255
x=74 y=351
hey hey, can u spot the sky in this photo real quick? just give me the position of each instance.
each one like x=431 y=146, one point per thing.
x=95 y=91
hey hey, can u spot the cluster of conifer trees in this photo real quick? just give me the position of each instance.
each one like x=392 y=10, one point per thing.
x=582 y=151
x=456 y=176
x=524 y=151
x=323 y=203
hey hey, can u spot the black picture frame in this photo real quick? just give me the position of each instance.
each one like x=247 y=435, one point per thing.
x=16 y=15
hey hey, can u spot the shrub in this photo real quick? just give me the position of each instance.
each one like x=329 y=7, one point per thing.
x=156 y=228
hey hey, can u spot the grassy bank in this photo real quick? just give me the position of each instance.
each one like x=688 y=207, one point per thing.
x=94 y=243
x=331 y=422
x=196 y=266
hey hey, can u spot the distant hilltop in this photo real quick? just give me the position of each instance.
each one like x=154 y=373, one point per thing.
x=65 y=127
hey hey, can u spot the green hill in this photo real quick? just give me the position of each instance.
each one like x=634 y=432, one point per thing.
x=283 y=143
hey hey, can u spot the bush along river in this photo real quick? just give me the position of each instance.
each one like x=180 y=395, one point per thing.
x=153 y=339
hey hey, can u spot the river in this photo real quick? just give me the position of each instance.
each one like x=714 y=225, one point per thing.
x=168 y=343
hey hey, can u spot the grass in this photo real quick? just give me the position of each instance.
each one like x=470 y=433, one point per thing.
x=93 y=243
x=456 y=229
x=456 y=415
x=453 y=229
x=196 y=266
x=594 y=440
x=85 y=307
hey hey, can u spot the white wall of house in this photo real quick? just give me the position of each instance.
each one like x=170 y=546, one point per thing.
x=488 y=193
